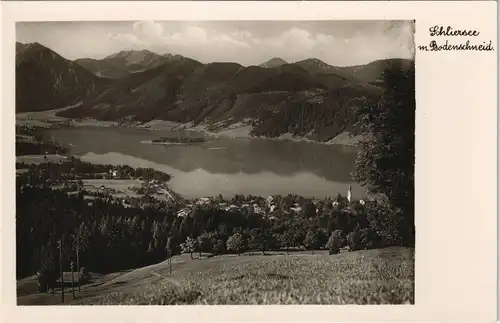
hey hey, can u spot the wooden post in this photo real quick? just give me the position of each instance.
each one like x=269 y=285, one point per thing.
x=62 y=269
x=78 y=265
x=170 y=261
x=72 y=280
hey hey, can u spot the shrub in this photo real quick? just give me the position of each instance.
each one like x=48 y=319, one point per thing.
x=336 y=241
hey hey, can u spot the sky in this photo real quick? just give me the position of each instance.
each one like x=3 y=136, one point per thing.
x=338 y=43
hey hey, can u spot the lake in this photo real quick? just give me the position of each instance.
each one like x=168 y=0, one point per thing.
x=222 y=165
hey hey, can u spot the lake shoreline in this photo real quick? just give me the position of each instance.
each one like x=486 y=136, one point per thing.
x=48 y=119
x=240 y=130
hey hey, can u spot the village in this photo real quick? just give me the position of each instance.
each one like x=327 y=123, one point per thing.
x=142 y=193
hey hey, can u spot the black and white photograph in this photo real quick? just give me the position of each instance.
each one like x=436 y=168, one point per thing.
x=261 y=162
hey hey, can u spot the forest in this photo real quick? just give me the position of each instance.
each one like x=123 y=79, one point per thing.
x=111 y=237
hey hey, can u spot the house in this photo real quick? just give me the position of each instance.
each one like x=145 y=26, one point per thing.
x=183 y=213
x=125 y=204
x=113 y=172
x=203 y=200
x=258 y=210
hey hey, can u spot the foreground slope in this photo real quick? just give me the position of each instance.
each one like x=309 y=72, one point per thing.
x=384 y=276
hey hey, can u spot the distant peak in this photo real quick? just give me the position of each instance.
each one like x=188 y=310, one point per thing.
x=311 y=60
x=30 y=45
x=127 y=53
x=274 y=62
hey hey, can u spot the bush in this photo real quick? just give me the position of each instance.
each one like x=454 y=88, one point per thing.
x=336 y=241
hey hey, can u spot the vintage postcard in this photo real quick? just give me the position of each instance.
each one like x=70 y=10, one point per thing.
x=266 y=153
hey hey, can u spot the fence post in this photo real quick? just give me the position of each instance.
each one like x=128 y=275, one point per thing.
x=62 y=269
x=72 y=280
x=78 y=264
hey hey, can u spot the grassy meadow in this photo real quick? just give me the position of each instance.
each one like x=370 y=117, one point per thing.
x=383 y=276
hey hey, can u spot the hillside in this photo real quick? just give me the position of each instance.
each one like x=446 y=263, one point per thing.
x=144 y=94
x=45 y=80
x=308 y=99
x=125 y=63
x=384 y=276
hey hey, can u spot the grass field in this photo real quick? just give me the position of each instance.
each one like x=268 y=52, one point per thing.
x=383 y=276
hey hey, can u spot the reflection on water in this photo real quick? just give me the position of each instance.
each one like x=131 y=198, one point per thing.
x=223 y=165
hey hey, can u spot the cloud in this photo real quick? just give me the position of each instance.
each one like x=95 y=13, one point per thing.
x=384 y=40
x=149 y=29
x=126 y=40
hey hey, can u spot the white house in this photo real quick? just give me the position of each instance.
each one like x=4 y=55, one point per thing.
x=183 y=213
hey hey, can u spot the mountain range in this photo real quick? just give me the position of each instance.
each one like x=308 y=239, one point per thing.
x=306 y=98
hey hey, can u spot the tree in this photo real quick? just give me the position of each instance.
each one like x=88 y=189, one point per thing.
x=369 y=238
x=309 y=210
x=173 y=245
x=260 y=239
x=206 y=242
x=336 y=241
x=219 y=247
x=354 y=239
x=385 y=223
x=48 y=271
x=189 y=246
x=236 y=243
x=312 y=240
x=386 y=160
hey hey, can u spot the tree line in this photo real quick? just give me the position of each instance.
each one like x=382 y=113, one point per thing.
x=111 y=237
x=74 y=168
